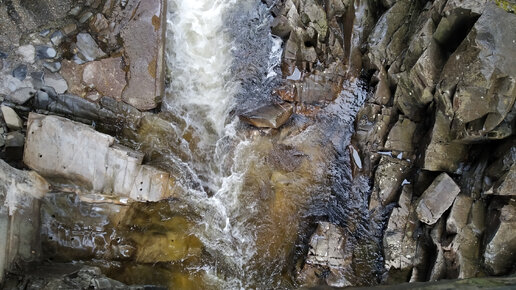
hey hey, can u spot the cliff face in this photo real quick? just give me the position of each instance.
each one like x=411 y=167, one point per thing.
x=436 y=137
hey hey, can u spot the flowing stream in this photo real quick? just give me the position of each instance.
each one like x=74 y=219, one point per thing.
x=247 y=201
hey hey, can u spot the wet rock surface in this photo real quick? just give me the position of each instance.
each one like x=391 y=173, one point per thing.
x=100 y=166
x=422 y=192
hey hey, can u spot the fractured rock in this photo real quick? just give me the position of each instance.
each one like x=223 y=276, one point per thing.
x=387 y=181
x=99 y=166
x=328 y=250
x=19 y=213
x=144 y=47
x=500 y=251
x=437 y=198
x=401 y=135
x=479 y=79
x=399 y=242
x=268 y=116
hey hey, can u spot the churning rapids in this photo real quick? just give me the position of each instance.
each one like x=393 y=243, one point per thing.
x=247 y=200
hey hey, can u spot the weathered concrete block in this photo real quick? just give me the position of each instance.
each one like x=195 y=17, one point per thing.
x=63 y=150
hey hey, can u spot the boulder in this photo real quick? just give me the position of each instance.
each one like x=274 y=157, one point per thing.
x=500 y=251
x=479 y=79
x=100 y=165
x=443 y=153
x=401 y=136
x=144 y=46
x=399 y=240
x=437 y=198
x=387 y=181
x=268 y=116
x=328 y=253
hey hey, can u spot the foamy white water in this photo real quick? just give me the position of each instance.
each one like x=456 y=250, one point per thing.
x=199 y=57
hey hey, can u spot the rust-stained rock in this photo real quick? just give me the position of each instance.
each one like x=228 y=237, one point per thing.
x=72 y=73
x=106 y=76
x=144 y=46
x=269 y=116
x=63 y=150
x=437 y=198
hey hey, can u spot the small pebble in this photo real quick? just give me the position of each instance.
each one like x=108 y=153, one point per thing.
x=3 y=55
x=57 y=82
x=20 y=72
x=44 y=32
x=70 y=28
x=45 y=52
x=52 y=66
x=75 y=11
x=22 y=95
x=57 y=38
x=85 y=16
x=37 y=79
x=27 y=52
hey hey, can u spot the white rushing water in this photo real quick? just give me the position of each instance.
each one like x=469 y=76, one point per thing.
x=201 y=92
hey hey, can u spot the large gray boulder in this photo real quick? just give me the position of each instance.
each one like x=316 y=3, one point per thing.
x=479 y=79
x=437 y=198
x=69 y=152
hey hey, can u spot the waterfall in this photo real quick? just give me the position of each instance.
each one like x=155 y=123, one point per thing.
x=202 y=92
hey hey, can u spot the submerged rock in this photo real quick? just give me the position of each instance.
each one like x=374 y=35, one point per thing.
x=269 y=116
x=100 y=166
x=437 y=198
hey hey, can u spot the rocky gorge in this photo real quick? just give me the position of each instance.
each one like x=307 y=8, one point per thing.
x=257 y=144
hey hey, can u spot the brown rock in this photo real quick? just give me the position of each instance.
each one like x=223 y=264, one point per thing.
x=72 y=73
x=106 y=76
x=500 y=251
x=144 y=52
x=269 y=116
